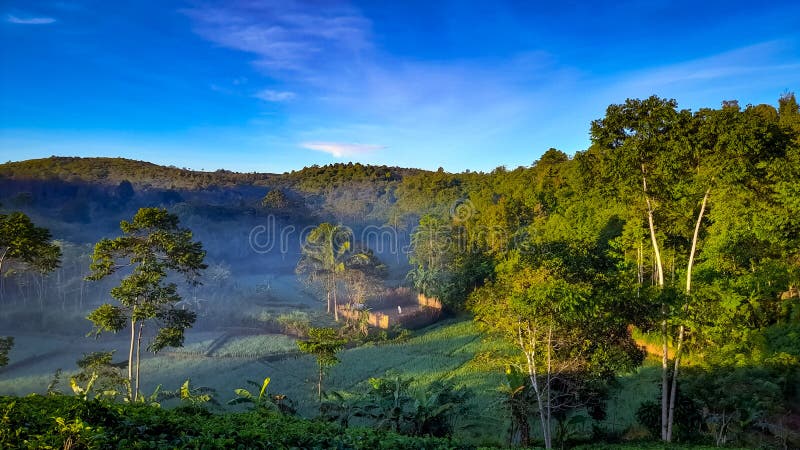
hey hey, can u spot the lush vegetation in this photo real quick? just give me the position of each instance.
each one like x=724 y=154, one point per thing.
x=676 y=234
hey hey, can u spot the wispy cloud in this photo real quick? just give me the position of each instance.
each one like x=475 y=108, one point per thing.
x=342 y=150
x=283 y=35
x=705 y=81
x=269 y=95
x=30 y=20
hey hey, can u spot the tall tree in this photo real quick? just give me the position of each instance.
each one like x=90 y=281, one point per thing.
x=639 y=145
x=680 y=162
x=431 y=255
x=329 y=254
x=152 y=246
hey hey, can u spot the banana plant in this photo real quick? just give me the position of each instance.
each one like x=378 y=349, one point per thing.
x=262 y=400
x=83 y=392
x=190 y=396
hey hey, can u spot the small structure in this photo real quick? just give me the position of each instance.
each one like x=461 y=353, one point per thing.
x=420 y=310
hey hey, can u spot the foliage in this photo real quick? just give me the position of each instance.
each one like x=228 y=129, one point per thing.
x=331 y=260
x=22 y=241
x=324 y=344
x=190 y=397
x=6 y=343
x=391 y=404
x=97 y=369
x=50 y=422
x=276 y=402
x=275 y=199
x=153 y=245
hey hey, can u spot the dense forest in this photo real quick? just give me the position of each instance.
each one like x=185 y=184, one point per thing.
x=643 y=291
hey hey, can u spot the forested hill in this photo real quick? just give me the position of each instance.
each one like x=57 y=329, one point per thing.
x=112 y=171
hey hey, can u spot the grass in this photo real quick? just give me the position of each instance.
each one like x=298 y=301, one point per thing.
x=257 y=346
x=449 y=350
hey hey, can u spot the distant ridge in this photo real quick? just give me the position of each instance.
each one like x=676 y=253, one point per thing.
x=143 y=174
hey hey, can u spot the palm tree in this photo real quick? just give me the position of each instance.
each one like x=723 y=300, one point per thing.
x=325 y=251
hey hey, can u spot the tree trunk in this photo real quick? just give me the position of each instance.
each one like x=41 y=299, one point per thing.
x=319 y=385
x=682 y=330
x=138 y=356
x=131 y=397
x=2 y=258
x=549 y=439
x=335 y=303
x=664 y=335
x=530 y=356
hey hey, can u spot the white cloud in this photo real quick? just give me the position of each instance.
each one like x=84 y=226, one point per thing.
x=342 y=150
x=268 y=95
x=30 y=20
x=284 y=35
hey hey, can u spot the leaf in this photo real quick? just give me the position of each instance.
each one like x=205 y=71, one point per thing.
x=264 y=387
x=244 y=393
x=185 y=392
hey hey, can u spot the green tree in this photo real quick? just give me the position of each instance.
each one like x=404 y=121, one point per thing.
x=332 y=261
x=23 y=242
x=569 y=329
x=152 y=246
x=323 y=260
x=324 y=344
x=643 y=147
x=276 y=199
x=685 y=166
x=431 y=255
x=6 y=343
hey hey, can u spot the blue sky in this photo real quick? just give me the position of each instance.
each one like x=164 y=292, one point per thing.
x=278 y=85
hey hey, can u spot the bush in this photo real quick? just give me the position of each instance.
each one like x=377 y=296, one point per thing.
x=59 y=421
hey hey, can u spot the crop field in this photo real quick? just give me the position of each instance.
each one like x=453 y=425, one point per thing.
x=452 y=350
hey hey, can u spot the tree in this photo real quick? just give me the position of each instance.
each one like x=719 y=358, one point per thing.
x=431 y=255
x=5 y=347
x=152 y=246
x=678 y=163
x=23 y=242
x=566 y=323
x=322 y=262
x=276 y=199
x=324 y=344
x=640 y=143
x=330 y=258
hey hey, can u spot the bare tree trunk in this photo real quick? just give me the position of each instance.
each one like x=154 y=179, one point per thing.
x=138 y=356
x=2 y=258
x=664 y=335
x=656 y=251
x=530 y=356
x=319 y=385
x=335 y=303
x=682 y=329
x=549 y=440
x=130 y=358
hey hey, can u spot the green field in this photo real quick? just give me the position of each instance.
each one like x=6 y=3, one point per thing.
x=451 y=350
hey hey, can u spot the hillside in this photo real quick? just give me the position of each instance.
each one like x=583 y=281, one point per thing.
x=551 y=277
x=146 y=175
